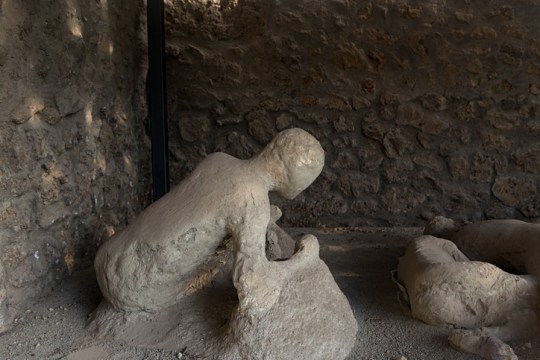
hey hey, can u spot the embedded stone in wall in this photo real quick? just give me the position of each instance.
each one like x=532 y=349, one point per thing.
x=499 y=211
x=237 y=145
x=458 y=166
x=429 y=160
x=511 y=54
x=528 y=159
x=434 y=124
x=502 y=120
x=50 y=115
x=468 y=111
x=434 y=102
x=336 y=205
x=484 y=33
x=370 y=116
x=387 y=113
x=348 y=56
x=314 y=118
x=410 y=11
x=533 y=127
x=260 y=126
x=358 y=184
x=395 y=144
x=465 y=16
x=26 y=109
x=409 y=114
x=369 y=86
x=389 y=98
x=324 y=182
x=229 y=120
x=283 y=121
x=532 y=208
x=514 y=191
x=194 y=128
x=335 y=102
x=345 y=160
x=370 y=156
x=343 y=124
x=460 y=201
x=494 y=141
x=360 y=102
x=366 y=206
x=400 y=200
x=398 y=171
x=413 y=115
x=424 y=140
x=482 y=168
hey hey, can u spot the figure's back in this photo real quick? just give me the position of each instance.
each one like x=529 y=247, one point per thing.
x=174 y=235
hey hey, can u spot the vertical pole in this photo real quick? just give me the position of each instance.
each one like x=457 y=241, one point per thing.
x=157 y=97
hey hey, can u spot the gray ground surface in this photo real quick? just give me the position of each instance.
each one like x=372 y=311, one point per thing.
x=360 y=259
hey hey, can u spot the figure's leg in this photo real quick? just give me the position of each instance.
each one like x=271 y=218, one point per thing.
x=259 y=281
x=520 y=325
x=479 y=342
x=489 y=341
x=442 y=227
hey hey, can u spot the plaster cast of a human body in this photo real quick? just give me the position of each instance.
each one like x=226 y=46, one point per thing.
x=456 y=282
x=148 y=265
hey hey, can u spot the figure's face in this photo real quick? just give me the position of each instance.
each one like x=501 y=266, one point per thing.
x=298 y=158
x=297 y=181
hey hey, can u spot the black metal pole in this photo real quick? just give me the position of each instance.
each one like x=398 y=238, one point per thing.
x=157 y=97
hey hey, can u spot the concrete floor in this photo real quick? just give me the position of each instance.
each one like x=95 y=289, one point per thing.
x=361 y=260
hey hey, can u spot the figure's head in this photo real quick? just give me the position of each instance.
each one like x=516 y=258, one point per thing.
x=296 y=159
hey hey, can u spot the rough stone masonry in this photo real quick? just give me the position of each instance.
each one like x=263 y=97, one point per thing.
x=423 y=107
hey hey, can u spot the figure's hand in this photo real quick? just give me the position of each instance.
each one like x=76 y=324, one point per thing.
x=258 y=282
x=476 y=341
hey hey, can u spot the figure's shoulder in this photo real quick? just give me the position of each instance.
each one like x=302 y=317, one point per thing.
x=220 y=160
x=220 y=155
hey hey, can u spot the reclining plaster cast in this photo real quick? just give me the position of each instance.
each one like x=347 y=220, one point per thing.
x=156 y=260
x=444 y=287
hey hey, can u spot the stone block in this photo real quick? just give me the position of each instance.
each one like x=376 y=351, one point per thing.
x=194 y=128
x=528 y=159
x=514 y=191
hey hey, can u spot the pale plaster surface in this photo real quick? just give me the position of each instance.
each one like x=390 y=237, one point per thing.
x=360 y=261
x=467 y=291
x=311 y=319
x=218 y=216
x=149 y=265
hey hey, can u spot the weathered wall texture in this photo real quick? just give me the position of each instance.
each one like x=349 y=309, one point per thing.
x=423 y=107
x=70 y=146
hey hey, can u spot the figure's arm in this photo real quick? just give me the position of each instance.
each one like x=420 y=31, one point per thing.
x=279 y=244
x=257 y=282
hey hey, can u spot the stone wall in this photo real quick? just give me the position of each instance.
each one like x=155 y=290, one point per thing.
x=71 y=137
x=423 y=107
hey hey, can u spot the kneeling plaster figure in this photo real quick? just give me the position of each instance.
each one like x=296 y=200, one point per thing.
x=286 y=309
x=460 y=282
x=146 y=266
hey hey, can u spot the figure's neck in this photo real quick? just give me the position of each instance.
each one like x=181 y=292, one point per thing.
x=269 y=169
